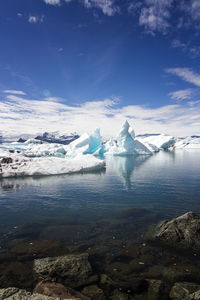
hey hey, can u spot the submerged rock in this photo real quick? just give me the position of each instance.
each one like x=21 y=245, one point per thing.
x=71 y=270
x=94 y=292
x=184 y=291
x=18 y=294
x=181 y=232
x=53 y=289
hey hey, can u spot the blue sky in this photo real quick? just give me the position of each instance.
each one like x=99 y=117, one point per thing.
x=80 y=64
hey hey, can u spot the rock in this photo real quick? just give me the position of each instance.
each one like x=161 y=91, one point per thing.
x=182 y=290
x=117 y=295
x=136 y=285
x=53 y=289
x=182 y=232
x=106 y=280
x=195 y=296
x=17 y=294
x=94 y=292
x=71 y=270
x=6 y=160
x=154 y=290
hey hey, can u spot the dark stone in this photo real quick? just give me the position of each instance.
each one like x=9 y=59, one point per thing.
x=7 y=160
x=53 y=289
x=136 y=285
x=71 y=270
x=181 y=232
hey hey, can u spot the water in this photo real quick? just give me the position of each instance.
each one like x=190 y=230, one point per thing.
x=99 y=212
x=167 y=182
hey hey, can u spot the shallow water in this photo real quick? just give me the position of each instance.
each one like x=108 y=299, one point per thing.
x=102 y=212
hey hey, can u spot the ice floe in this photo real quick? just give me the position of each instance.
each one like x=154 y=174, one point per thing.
x=18 y=165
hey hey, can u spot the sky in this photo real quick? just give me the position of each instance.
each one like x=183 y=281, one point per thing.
x=75 y=65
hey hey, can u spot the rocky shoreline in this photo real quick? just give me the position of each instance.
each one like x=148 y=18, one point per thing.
x=152 y=270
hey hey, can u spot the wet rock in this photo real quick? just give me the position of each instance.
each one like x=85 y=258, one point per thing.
x=17 y=294
x=182 y=290
x=6 y=160
x=94 y=292
x=195 y=296
x=154 y=290
x=71 y=270
x=136 y=285
x=183 y=232
x=117 y=295
x=53 y=289
x=106 y=280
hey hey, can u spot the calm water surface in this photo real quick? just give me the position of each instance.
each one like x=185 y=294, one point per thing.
x=166 y=183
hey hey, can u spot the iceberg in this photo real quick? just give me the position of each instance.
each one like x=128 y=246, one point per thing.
x=18 y=165
x=190 y=142
x=125 y=143
x=158 y=141
x=86 y=144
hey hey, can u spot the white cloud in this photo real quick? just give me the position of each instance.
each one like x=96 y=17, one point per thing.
x=36 y=19
x=19 y=116
x=108 y=7
x=52 y=2
x=14 y=92
x=186 y=74
x=19 y=14
x=178 y=44
x=181 y=94
x=154 y=17
x=32 y=19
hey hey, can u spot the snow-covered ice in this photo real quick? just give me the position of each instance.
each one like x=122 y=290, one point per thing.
x=21 y=166
x=159 y=141
x=190 y=142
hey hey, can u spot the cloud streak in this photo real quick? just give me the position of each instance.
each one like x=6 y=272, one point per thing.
x=23 y=116
x=181 y=94
x=186 y=74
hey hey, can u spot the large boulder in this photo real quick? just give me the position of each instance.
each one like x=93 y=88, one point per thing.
x=181 y=232
x=71 y=270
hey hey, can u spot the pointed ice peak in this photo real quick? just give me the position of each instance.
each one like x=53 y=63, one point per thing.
x=132 y=132
x=124 y=131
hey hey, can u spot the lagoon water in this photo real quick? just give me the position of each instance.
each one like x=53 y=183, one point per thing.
x=105 y=214
x=166 y=183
